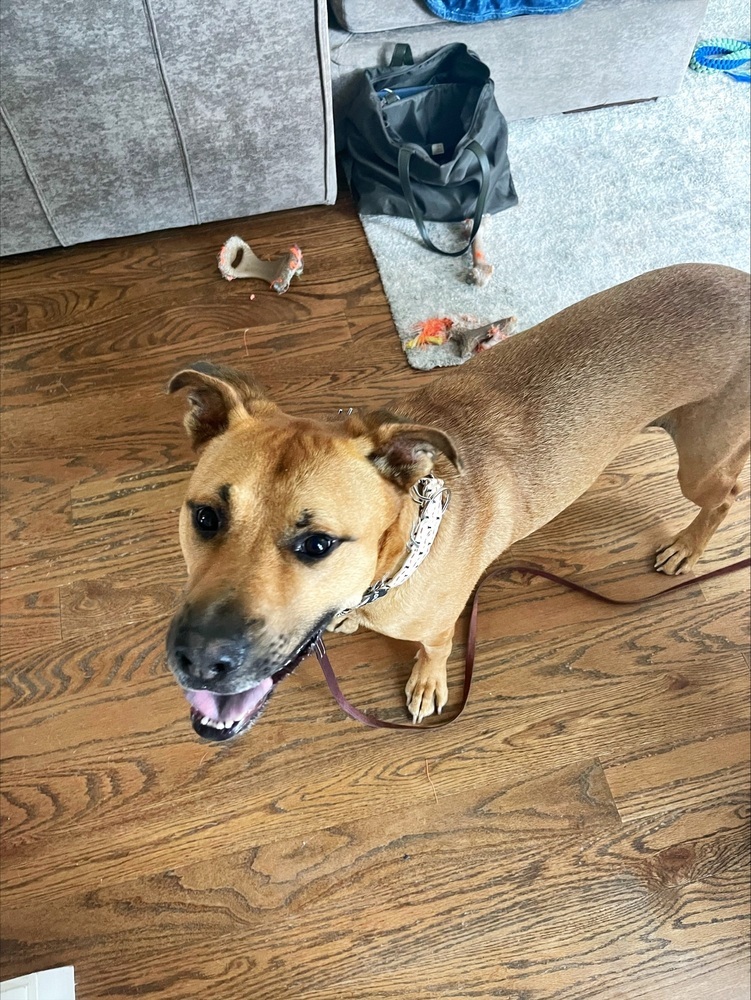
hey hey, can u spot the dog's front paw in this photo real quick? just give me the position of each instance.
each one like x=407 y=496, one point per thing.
x=346 y=625
x=678 y=557
x=426 y=690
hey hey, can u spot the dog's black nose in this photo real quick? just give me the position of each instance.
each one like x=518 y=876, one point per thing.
x=208 y=646
x=208 y=662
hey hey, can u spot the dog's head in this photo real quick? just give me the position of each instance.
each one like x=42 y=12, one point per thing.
x=286 y=523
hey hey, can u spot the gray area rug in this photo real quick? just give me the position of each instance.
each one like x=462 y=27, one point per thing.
x=603 y=196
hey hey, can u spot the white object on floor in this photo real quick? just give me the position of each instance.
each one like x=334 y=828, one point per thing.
x=52 y=984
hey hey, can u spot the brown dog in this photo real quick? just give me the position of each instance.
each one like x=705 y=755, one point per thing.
x=288 y=521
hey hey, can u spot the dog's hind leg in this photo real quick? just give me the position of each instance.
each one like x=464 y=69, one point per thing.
x=688 y=545
x=713 y=446
x=427 y=688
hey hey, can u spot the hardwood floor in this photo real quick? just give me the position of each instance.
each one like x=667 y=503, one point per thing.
x=582 y=832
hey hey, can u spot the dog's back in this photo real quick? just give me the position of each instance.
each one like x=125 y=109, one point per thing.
x=631 y=352
x=553 y=406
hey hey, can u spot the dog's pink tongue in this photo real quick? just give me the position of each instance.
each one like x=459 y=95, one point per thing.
x=228 y=708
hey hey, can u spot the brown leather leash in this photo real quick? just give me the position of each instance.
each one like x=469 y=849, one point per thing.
x=375 y=723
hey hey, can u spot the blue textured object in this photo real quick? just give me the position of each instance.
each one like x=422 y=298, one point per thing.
x=472 y=11
x=731 y=56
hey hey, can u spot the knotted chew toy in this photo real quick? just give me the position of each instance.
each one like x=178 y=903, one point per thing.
x=278 y=272
x=723 y=55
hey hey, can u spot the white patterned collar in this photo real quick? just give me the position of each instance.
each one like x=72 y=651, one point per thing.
x=433 y=497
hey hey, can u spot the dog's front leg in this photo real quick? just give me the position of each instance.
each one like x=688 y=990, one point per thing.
x=427 y=690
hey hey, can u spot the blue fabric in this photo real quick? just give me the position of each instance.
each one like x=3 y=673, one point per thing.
x=471 y=11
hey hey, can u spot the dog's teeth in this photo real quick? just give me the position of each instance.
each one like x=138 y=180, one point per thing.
x=214 y=723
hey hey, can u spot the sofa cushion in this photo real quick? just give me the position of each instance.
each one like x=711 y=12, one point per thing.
x=603 y=52
x=126 y=117
x=364 y=15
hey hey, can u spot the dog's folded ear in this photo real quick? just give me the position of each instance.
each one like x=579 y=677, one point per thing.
x=217 y=395
x=403 y=451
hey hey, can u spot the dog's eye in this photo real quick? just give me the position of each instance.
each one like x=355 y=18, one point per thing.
x=206 y=521
x=315 y=546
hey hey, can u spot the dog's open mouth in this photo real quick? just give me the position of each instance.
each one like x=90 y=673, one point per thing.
x=221 y=717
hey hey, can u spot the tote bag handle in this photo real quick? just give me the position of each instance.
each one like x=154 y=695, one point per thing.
x=401 y=56
x=405 y=155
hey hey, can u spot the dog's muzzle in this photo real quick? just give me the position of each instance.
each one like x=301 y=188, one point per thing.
x=226 y=682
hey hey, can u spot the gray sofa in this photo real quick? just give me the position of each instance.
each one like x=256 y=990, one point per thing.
x=604 y=52
x=127 y=116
